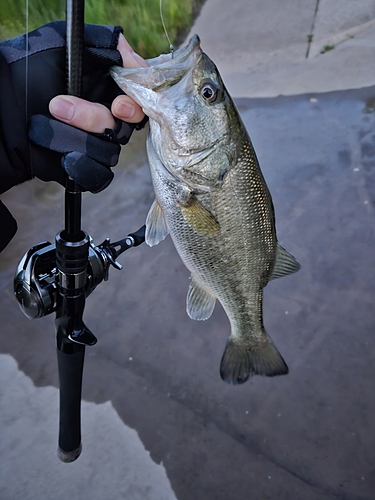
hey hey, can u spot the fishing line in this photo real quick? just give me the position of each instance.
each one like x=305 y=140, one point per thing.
x=171 y=48
x=33 y=215
x=27 y=56
x=27 y=78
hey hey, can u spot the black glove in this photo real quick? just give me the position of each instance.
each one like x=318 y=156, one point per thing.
x=27 y=86
x=89 y=157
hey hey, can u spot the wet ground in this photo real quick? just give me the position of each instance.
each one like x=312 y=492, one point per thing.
x=307 y=435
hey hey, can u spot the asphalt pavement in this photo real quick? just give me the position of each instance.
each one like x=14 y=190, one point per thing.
x=157 y=421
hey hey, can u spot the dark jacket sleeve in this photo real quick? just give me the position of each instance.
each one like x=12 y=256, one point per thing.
x=17 y=157
x=27 y=84
x=14 y=152
x=14 y=167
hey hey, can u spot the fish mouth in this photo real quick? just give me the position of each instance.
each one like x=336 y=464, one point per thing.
x=162 y=71
x=179 y=56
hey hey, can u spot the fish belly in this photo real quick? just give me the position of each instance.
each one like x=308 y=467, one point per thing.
x=235 y=264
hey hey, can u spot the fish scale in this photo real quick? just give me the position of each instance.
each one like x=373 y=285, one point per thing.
x=211 y=197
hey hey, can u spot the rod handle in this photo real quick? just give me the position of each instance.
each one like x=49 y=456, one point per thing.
x=70 y=365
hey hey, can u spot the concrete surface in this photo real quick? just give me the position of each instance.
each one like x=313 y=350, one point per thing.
x=260 y=46
x=30 y=470
x=158 y=422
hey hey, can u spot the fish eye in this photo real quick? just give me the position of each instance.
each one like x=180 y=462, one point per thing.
x=210 y=91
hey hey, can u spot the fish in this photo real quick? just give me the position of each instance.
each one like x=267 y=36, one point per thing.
x=212 y=199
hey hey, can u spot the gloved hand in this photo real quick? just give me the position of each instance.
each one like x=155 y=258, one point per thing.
x=87 y=158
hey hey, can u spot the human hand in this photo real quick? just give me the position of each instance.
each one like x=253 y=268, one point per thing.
x=33 y=72
x=94 y=117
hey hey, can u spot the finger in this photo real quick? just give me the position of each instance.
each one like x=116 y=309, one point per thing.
x=129 y=58
x=124 y=108
x=88 y=116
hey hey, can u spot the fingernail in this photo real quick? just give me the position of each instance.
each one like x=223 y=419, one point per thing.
x=61 y=108
x=125 y=110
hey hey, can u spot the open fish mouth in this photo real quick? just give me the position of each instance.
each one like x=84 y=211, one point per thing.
x=179 y=55
x=163 y=71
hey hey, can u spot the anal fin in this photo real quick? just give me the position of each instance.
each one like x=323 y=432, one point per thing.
x=199 y=303
x=156 y=225
x=285 y=264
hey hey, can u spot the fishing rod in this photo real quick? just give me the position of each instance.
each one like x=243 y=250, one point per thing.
x=57 y=277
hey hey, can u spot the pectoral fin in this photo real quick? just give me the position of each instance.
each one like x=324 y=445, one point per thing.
x=156 y=225
x=199 y=303
x=285 y=264
x=199 y=218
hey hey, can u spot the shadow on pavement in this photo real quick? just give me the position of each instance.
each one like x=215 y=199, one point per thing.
x=308 y=435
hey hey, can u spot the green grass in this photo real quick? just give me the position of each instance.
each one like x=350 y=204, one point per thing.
x=327 y=48
x=140 y=19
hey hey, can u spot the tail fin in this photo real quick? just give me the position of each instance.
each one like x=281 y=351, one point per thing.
x=241 y=360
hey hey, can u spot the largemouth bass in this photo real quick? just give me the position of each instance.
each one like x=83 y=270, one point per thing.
x=211 y=197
